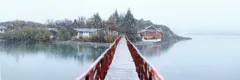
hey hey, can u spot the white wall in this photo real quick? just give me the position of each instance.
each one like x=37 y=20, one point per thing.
x=2 y=31
x=84 y=34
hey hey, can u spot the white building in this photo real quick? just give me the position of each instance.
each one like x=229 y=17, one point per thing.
x=85 y=31
x=3 y=29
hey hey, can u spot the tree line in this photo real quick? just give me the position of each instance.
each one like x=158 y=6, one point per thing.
x=124 y=24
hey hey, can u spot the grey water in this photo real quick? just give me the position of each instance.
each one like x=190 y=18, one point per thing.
x=40 y=61
x=202 y=58
x=205 y=57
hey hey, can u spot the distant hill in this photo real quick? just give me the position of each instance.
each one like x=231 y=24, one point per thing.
x=21 y=24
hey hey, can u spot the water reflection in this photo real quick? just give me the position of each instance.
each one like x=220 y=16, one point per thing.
x=154 y=49
x=42 y=61
x=56 y=51
x=203 y=58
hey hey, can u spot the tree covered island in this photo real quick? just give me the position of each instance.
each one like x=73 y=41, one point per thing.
x=93 y=29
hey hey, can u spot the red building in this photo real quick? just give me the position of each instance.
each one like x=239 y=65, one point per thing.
x=151 y=34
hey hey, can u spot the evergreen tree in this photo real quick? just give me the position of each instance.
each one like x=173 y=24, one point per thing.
x=95 y=21
x=81 y=22
x=116 y=16
x=142 y=24
x=111 y=23
x=75 y=25
x=129 y=23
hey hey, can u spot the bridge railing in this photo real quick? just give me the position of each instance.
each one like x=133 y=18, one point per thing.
x=99 y=68
x=143 y=68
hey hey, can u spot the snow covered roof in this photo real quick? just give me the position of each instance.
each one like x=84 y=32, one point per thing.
x=86 y=29
x=3 y=27
x=151 y=28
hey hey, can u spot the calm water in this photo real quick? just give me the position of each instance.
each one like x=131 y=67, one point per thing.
x=203 y=58
x=45 y=61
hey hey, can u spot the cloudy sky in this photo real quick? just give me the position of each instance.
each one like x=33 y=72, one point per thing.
x=182 y=16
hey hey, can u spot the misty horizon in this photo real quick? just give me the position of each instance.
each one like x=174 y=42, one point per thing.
x=183 y=17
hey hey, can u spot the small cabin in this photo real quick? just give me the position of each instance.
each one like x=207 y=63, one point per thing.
x=89 y=31
x=3 y=29
x=151 y=34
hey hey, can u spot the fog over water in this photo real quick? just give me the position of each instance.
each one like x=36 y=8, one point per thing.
x=202 y=58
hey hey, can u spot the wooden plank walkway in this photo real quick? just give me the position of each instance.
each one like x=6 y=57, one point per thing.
x=122 y=66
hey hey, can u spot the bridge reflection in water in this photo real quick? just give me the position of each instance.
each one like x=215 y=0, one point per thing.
x=76 y=52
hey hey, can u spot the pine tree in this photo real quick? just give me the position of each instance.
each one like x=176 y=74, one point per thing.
x=75 y=23
x=97 y=18
x=111 y=23
x=81 y=22
x=116 y=16
x=95 y=21
x=129 y=23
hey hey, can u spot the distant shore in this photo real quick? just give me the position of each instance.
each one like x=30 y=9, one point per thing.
x=2 y=40
x=70 y=42
x=161 y=42
x=82 y=43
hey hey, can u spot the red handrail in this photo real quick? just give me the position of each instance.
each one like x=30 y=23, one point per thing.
x=143 y=68
x=99 y=68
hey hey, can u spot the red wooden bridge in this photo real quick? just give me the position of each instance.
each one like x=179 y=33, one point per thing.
x=121 y=61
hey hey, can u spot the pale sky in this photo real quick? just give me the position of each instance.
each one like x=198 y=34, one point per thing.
x=182 y=16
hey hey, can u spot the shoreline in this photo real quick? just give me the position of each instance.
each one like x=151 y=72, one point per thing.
x=161 y=42
x=82 y=43
x=70 y=42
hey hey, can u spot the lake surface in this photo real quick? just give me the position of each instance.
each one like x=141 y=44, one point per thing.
x=46 y=61
x=202 y=58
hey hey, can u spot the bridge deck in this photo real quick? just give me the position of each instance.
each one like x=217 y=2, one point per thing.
x=122 y=66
